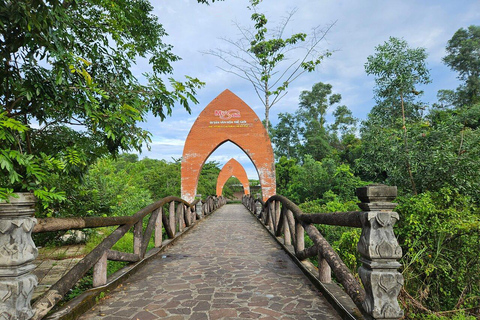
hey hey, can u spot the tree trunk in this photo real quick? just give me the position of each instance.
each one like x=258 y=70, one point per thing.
x=267 y=111
x=409 y=169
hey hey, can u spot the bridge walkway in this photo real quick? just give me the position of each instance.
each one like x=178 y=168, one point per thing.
x=226 y=267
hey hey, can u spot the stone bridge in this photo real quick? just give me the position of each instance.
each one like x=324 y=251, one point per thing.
x=213 y=261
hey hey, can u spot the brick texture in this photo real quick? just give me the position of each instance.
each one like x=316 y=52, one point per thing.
x=227 y=118
x=232 y=169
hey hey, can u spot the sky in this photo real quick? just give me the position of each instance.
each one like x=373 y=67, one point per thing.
x=359 y=26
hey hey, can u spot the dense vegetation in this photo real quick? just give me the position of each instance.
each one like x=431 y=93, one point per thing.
x=431 y=152
x=56 y=74
x=49 y=85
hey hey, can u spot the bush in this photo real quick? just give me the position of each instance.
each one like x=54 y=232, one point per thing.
x=440 y=237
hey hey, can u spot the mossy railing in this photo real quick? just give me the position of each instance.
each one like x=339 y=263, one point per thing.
x=376 y=295
x=170 y=214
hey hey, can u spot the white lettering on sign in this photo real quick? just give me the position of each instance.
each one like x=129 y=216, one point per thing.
x=227 y=114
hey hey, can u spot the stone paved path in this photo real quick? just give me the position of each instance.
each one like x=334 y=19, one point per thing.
x=227 y=267
x=53 y=263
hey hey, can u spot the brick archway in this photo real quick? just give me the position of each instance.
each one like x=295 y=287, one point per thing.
x=227 y=118
x=232 y=169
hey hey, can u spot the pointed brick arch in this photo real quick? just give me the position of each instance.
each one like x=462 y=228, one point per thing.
x=232 y=169
x=227 y=118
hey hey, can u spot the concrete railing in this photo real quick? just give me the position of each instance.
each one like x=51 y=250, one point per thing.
x=171 y=214
x=377 y=298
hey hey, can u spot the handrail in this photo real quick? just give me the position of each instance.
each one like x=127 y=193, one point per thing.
x=184 y=215
x=378 y=247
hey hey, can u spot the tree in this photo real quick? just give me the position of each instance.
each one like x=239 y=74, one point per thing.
x=262 y=57
x=399 y=70
x=306 y=132
x=69 y=64
x=285 y=137
x=207 y=181
x=345 y=123
x=313 y=109
x=464 y=57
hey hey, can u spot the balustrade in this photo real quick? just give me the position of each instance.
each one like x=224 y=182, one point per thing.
x=171 y=214
x=376 y=295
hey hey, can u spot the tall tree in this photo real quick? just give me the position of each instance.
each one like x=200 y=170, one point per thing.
x=262 y=57
x=69 y=63
x=312 y=112
x=463 y=56
x=345 y=123
x=285 y=136
x=398 y=71
x=305 y=131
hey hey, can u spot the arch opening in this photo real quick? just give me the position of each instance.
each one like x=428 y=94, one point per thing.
x=233 y=189
x=232 y=169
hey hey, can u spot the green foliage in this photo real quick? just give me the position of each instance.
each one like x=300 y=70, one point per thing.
x=232 y=186
x=123 y=186
x=398 y=71
x=313 y=179
x=463 y=56
x=442 y=152
x=305 y=131
x=57 y=73
x=460 y=315
x=207 y=182
x=342 y=239
x=440 y=235
x=286 y=138
x=25 y=171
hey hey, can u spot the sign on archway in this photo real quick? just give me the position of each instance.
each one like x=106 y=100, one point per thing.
x=232 y=169
x=227 y=118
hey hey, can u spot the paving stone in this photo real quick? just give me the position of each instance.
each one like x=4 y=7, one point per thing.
x=227 y=267
x=222 y=313
x=144 y=315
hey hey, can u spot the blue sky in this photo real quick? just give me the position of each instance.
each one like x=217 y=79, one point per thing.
x=360 y=26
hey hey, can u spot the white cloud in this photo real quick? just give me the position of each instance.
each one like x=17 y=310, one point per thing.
x=359 y=28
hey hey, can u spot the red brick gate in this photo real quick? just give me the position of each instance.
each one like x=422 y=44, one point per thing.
x=227 y=118
x=232 y=169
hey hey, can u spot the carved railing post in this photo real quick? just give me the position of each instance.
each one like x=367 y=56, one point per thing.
x=379 y=252
x=198 y=207
x=17 y=252
x=258 y=207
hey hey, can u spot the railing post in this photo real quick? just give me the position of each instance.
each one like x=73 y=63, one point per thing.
x=258 y=207
x=379 y=252
x=277 y=216
x=287 y=238
x=100 y=271
x=158 y=228
x=198 y=207
x=180 y=217
x=171 y=218
x=299 y=237
x=271 y=216
x=324 y=270
x=137 y=237
x=187 y=215
x=17 y=252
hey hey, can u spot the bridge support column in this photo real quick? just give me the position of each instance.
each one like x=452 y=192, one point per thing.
x=379 y=252
x=17 y=252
